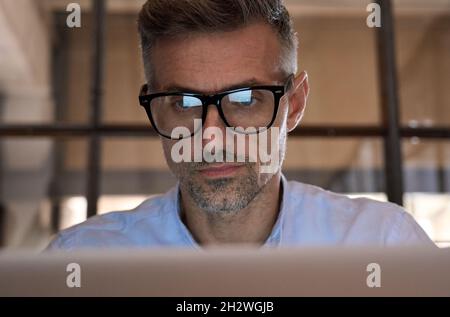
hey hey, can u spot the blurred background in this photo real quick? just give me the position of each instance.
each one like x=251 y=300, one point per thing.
x=74 y=142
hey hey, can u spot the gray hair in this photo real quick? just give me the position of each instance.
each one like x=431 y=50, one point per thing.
x=169 y=18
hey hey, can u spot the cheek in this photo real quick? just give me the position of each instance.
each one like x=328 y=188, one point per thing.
x=178 y=168
x=167 y=148
x=281 y=119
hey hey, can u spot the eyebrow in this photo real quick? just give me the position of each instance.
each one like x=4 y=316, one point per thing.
x=246 y=83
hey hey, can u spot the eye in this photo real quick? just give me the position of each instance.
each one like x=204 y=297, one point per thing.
x=242 y=98
x=184 y=102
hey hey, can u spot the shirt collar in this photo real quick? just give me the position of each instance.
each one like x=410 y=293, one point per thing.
x=272 y=241
x=275 y=236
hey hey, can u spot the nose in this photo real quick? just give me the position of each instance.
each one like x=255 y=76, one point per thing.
x=213 y=120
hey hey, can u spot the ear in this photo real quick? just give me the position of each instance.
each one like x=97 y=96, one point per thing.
x=297 y=97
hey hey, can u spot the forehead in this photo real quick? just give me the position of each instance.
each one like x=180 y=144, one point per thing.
x=208 y=62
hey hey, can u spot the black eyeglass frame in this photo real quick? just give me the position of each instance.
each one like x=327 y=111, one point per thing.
x=214 y=99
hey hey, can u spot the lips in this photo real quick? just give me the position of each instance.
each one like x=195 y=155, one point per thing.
x=220 y=170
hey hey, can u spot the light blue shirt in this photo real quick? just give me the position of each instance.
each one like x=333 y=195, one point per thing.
x=309 y=216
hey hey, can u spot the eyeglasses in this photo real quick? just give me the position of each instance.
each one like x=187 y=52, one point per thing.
x=244 y=109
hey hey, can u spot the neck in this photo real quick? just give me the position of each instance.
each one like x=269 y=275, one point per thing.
x=250 y=225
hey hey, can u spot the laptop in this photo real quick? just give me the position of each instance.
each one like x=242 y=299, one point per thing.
x=228 y=272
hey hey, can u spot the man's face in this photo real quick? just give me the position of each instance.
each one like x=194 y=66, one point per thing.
x=211 y=63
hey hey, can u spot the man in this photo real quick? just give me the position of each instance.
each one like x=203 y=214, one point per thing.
x=230 y=65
